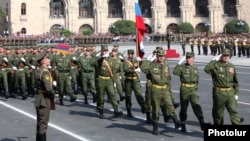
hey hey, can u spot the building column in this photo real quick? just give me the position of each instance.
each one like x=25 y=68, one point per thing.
x=239 y=11
x=185 y=13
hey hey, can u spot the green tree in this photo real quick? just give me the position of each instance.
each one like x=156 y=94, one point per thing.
x=65 y=32
x=185 y=28
x=2 y=13
x=87 y=32
x=233 y=27
x=123 y=27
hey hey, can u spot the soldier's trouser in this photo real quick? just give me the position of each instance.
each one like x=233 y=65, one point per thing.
x=20 y=80
x=118 y=83
x=199 y=49
x=64 y=84
x=88 y=82
x=148 y=98
x=224 y=99
x=42 y=119
x=106 y=86
x=161 y=96
x=189 y=94
x=4 y=80
x=133 y=85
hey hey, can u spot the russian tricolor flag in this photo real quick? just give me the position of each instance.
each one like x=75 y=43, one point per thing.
x=63 y=48
x=140 y=30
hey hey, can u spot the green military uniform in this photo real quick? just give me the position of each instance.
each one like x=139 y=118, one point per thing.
x=64 y=77
x=4 y=68
x=87 y=73
x=225 y=88
x=159 y=75
x=44 y=98
x=104 y=70
x=132 y=83
x=189 y=77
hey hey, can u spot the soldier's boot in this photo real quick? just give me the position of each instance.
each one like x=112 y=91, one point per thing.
x=183 y=127
x=143 y=109
x=202 y=123
x=122 y=97
x=86 y=99
x=177 y=123
x=24 y=94
x=35 y=92
x=7 y=94
x=176 y=105
x=155 y=129
x=117 y=113
x=41 y=137
x=242 y=119
x=61 y=102
x=148 y=118
x=129 y=114
x=166 y=117
x=72 y=98
x=101 y=116
x=94 y=98
x=75 y=89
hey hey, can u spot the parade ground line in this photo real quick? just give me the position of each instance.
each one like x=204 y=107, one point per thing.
x=50 y=124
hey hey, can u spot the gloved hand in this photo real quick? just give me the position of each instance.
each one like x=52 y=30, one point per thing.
x=14 y=68
x=106 y=55
x=5 y=59
x=74 y=58
x=153 y=58
x=54 y=83
x=49 y=67
x=138 y=70
x=98 y=54
x=23 y=59
x=217 y=58
x=121 y=57
x=236 y=97
x=182 y=60
x=33 y=67
x=138 y=58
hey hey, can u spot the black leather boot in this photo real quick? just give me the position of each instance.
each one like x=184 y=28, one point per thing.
x=143 y=109
x=155 y=129
x=183 y=127
x=148 y=120
x=242 y=119
x=129 y=114
x=72 y=98
x=7 y=94
x=202 y=123
x=24 y=94
x=86 y=100
x=122 y=97
x=101 y=116
x=117 y=113
x=177 y=122
x=94 y=98
x=61 y=102
x=166 y=116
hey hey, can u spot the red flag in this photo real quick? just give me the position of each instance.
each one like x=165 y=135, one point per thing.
x=140 y=30
x=63 y=48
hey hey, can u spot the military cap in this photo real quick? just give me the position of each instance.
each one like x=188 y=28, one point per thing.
x=189 y=54
x=225 y=51
x=116 y=45
x=114 y=50
x=159 y=48
x=131 y=51
x=155 y=51
x=104 y=48
x=89 y=49
x=160 y=52
x=40 y=56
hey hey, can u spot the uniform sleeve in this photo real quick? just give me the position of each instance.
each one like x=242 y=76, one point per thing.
x=47 y=80
x=145 y=66
x=127 y=68
x=177 y=70
x=209 y=67
x=236 y=83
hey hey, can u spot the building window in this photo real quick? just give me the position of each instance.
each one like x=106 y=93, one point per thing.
x=173 y=8
x=201 y=8
x=23 y=9
x=145 y=6
x=56 y=9
x=115 y=9
x=230 y=8
x=85 y=9
x=23 y=31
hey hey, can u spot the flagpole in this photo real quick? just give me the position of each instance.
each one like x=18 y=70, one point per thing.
x=137 y=44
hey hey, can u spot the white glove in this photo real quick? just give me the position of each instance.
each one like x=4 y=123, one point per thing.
x=33 y=67
x=70 y=77
x=5 y=59
x=74 y=58
x=217 y=58
x=49 y=67
x=54 y=83
x=98 y=54
x=152 y=58
x=182 y=60
x=106 y=55
x=23 y=59
x=115 y=85
x=138 y=58
x=14 y=68
x=138 y=70
x=121 y=57
x=236 y=97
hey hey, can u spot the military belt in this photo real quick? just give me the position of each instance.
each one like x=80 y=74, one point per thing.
x=41 y=91
x=159 y=86
x=87 y=71
x=104 y=77
x=188 y=85
x=20 y=69
x=223 y=89
x=64 y=71
x=131 y=77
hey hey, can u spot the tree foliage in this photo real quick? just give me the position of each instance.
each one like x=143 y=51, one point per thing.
x=87 y=32
x=123 y=27
x=65 y=32
x=233 y=27
x=186 y=28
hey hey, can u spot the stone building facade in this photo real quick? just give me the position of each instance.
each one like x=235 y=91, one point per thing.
x=42 y=16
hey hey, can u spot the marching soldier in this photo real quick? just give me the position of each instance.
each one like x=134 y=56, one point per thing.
x=4 y=66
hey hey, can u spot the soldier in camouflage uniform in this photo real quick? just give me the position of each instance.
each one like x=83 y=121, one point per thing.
x=189 y=77
x=4 y=68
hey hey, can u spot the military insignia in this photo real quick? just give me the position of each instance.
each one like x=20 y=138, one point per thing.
x=195 y=72
x=47 y=77
x=231 y=70
x=155 y=69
